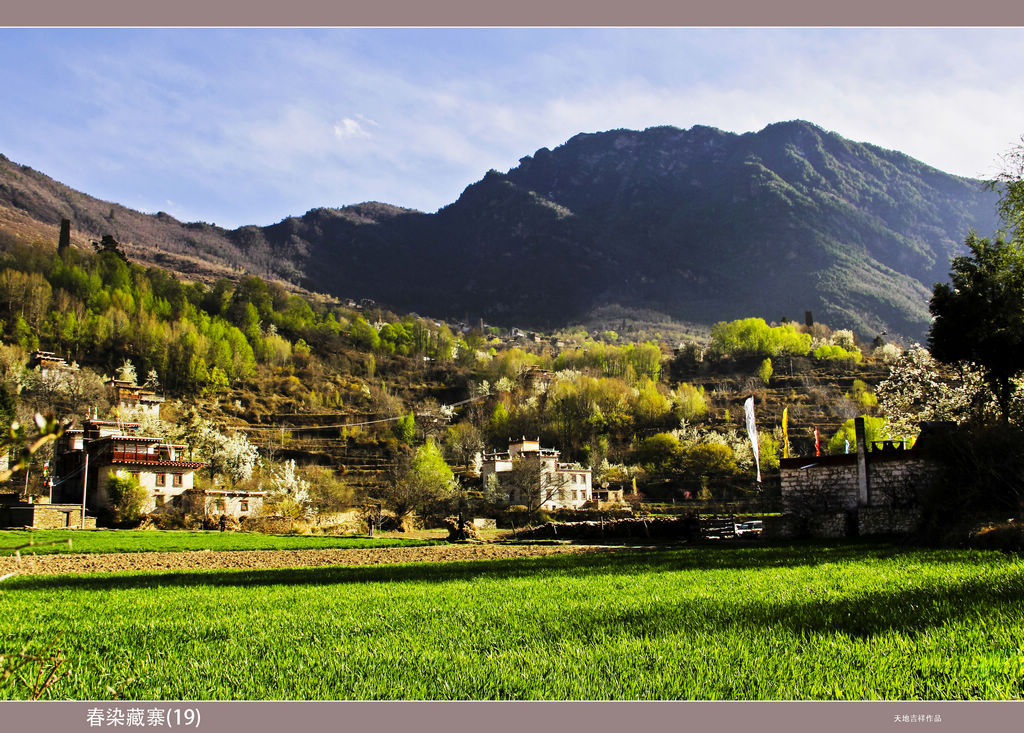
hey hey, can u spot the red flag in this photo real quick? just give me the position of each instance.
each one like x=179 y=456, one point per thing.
x=817 y=445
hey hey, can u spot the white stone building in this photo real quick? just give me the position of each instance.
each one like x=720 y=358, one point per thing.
x=562 y=485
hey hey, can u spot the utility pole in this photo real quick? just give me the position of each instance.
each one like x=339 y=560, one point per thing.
x=85 y=480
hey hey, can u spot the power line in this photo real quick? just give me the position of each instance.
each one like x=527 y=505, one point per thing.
x=300 y=428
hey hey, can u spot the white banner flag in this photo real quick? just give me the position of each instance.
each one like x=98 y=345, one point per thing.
x=748 y=408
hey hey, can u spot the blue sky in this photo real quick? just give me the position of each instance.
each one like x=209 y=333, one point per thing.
x=248 y=126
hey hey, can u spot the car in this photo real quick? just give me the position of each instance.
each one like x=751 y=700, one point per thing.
x=751 y=528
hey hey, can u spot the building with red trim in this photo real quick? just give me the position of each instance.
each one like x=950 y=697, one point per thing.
x=85 y=458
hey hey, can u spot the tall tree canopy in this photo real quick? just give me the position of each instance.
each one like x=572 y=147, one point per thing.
x=1010 y=186
x=979 y=315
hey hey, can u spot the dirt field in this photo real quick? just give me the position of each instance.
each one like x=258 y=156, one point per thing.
x=254 y=559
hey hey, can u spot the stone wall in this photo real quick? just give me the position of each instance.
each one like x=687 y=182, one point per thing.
x=826 y=525
x=45 y=516
x=894 y=479
x=349 y=521
x=648 y=528
x=821 y=495
x=819 y=484
x=888 y=520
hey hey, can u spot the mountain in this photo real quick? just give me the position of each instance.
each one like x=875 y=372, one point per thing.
x=700 y=224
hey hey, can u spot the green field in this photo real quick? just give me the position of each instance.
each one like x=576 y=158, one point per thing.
x=854 y=621
x=112 y=540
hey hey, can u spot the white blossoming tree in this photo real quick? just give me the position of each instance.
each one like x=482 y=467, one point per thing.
x=288 y=493
x=918 y=389
x=232 y=456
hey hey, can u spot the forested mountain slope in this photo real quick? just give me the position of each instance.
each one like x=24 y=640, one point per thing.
x=700 y=224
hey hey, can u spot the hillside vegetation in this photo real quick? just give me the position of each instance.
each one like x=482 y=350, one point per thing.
x=336 y=404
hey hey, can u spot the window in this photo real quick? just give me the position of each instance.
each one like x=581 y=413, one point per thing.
x=243 y=505
x=159 y=498
x=161 y=479
x=177 y=479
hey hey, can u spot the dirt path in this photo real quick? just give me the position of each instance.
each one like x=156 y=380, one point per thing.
x=256 y=559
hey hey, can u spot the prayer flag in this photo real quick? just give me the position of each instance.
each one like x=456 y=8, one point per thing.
x=748 y=408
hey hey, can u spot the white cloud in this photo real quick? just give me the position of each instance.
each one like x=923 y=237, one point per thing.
x=349 y=128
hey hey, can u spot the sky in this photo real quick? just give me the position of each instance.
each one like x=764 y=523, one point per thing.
x=249 y=126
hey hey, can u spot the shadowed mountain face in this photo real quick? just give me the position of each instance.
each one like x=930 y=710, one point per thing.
x=699 y=224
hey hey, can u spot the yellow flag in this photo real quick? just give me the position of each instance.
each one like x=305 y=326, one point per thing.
x=785 y=431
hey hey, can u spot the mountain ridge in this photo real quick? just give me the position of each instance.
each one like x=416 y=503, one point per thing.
x=700 y=224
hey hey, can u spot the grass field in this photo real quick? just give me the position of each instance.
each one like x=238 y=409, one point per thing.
x=853 y=621
x=112 y=540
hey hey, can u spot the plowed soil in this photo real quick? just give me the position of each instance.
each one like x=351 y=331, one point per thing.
x=258 y=559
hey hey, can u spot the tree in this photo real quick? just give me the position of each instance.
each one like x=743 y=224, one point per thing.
x=127 y=372
x=979 y=315
x=108 y=244
x=1010 y=185
x=659 y=452
x=288 y=492
x=754 y=337
x=127 y=497
x=405 y=428
x=424 y=483
x=528 y=482
x=233 y=456
x=431 y=473
x=919 y=389
x=710 y=469
x=463 y=441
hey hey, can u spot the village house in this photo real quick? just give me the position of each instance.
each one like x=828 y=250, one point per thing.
x=47 y=362
x=215 y=502
x=562 y=485
x=86 y=457
x=126 y=395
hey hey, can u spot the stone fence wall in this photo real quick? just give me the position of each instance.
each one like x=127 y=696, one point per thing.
x=821 y=494
x=819 y=484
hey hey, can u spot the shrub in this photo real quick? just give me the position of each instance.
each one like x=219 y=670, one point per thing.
x=1005 y=536
x=127 y=498
x=164 y=520
x=836 y=353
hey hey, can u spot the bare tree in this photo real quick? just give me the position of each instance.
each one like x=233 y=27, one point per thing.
x=529 y=483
